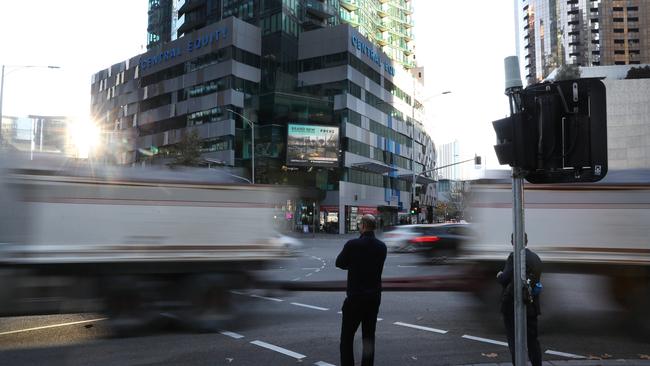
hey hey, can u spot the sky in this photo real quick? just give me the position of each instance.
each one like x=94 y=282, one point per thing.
x=461 y=44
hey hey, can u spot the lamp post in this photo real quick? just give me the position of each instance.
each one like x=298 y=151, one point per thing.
x=252 y=124
x=2 y=85
x=413 y=137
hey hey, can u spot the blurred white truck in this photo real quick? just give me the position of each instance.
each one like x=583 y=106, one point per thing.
x=131 y=242
x=599 y=228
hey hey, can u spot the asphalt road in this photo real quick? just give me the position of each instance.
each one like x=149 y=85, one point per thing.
x=285 y=328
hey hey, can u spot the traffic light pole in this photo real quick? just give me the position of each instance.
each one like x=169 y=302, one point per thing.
x=513 y=89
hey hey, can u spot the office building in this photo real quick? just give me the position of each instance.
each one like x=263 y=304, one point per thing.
x=331 y=110
x=387 y=23
x=583 y=33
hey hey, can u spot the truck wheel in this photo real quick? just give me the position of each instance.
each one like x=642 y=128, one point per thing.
x=125 y=307
x=208 y=304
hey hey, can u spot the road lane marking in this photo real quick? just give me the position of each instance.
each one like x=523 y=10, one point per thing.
x=52 y=326
x=421 y=327
x=309 y=269
x=284 y=351
x=321 y=363
x=486 y=340
x=296 y=279
x=401 y=266
x=568 y=355
x=232 y=334
x=267 y=298
x=238 y=293
x=380 y=319
x=309 y=306
x=308 y=274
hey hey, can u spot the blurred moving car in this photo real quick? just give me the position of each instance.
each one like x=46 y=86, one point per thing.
x=435 y=241
x=292 y=245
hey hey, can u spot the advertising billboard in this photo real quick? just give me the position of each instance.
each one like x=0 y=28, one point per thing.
x=312 y=145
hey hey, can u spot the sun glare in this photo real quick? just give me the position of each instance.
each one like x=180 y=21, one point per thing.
x=85 y=137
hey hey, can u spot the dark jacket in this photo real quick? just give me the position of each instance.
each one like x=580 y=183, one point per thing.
x=533 y=272
x=363 y=258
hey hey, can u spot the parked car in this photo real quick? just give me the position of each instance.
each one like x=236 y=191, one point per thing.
x=434 y=241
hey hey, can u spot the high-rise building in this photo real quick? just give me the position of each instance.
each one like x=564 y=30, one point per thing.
x=387 y=23
x=330 y=109
x=583 y=33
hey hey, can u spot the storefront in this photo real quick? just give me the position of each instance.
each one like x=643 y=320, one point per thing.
x=353 y=216
x=329 y=219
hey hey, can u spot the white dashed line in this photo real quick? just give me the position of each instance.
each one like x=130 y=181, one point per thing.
x=308 y=274
x=309 y=306
x=238 y=293
x=296 y=279
x=434 y=330
x=309 y=269
x=53 y=326
x=568 y=355
x=485 y=340
x=267 y=298
x=284 y=351
x=401 y=266
x=321 y=363
x=232 y=334
x=339 y=312
x=380 y=319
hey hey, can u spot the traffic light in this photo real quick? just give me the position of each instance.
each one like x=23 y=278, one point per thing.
x=560 y=133
x=415 y=207
x=515 y=141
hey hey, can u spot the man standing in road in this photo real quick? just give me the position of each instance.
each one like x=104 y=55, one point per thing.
x=363 y=258
x=531 y=302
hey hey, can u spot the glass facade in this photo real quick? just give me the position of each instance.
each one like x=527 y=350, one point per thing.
x=387 y=23
x=583 y=33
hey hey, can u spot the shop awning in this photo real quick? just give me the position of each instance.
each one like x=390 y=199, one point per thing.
x=420 y=179
x=373 y=167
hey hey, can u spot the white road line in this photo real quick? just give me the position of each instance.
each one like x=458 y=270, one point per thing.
x=486 y=340
x=308 y=274
x=309 y=269
x=52 y=326
x=380 y=319
x=568 y=355
x=232 y=334
x=296 y=279
x=421 y=327
x=267 y=298
x=339 y=312
x=238 y=293
x=284 y=351
x=321 y=363
x=309 y=306
x=401 y=266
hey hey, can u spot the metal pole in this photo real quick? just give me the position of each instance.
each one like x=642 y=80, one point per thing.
x=2 y=89
x=519 y=265
x=252 y=151
x=252 y=124
x=519 y=250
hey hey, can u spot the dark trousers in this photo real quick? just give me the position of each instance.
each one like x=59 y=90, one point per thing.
x=359 y=310
x=534 y=350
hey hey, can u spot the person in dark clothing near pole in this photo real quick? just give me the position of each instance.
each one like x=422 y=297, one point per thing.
x=363 y=258
x=531 y=302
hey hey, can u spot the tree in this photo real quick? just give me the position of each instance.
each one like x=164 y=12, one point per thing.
x=567 y=72
x=638 y=73
x=188 y=150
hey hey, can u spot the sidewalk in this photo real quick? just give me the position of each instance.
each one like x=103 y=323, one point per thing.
x=611 y=362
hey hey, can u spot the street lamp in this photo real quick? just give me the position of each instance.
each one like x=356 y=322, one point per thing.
x=252 y=124
x=2 y=84
x=413 y=183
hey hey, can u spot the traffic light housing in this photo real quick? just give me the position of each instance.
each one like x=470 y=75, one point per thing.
x=560 y=133
x=415 y=207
